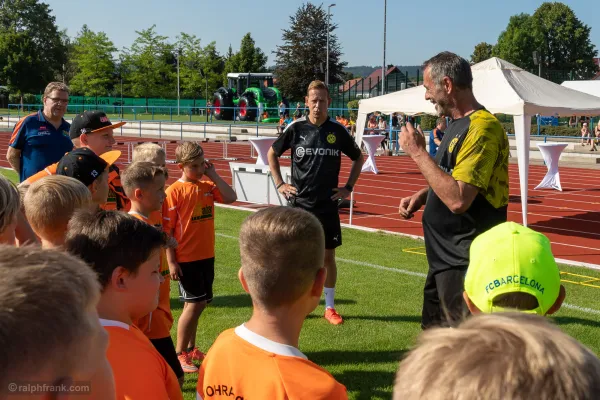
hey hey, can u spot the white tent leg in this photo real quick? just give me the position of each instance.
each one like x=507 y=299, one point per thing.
x=522 y=135
x=361 y=122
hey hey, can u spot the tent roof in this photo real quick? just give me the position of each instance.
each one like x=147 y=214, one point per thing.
x=502 y=88
x=589 y=87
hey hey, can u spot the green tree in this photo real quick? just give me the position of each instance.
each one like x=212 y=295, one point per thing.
x=197 y=66
x=212 y=67
x=92 y=55
x=301 y=58
x=31 y=50
x=482 y=52
x=564 y=41
x=248 y=59
x=68 y=68
x=561 y=38
x=517 y=42
x=150 y=63
x=191 y=82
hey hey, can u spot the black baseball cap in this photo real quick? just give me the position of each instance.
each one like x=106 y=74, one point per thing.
x=91 y=122
x=84 y=165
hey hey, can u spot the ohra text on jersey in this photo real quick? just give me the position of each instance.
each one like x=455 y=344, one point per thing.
x=302 y=151
x=221 y=390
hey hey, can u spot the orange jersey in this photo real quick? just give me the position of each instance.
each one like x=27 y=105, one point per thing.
x=158 y=323
x=116 y=195
x=244 y=365
x=139 y=369
x=189 y=210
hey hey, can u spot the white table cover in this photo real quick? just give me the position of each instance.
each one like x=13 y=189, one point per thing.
x=262 y=146
x=371 y=142
x=551 y=154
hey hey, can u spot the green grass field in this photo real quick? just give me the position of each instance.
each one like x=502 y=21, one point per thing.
x=379 y=294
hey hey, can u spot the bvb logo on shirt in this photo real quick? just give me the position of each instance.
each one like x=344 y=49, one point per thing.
x=331 y=138
x=452 y=145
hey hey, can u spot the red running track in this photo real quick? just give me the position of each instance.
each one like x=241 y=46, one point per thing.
x=570 y=218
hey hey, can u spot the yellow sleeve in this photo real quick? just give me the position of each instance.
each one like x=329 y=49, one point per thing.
x=477 y=156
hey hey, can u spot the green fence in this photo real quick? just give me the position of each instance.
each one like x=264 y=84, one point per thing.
x=357 y=89
x=116 y=105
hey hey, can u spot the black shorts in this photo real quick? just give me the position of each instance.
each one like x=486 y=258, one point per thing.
x=443 y=303
x=332 y=228
x=195 y=284
x=167 y=350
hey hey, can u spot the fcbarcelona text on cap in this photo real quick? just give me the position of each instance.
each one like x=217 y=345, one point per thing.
x=520 y=279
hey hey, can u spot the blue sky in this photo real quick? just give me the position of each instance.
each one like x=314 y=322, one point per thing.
x=416 y=30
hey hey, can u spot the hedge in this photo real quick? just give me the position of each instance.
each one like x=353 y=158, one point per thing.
x=546 y=130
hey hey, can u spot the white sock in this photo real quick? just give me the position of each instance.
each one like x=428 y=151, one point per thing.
x=329 y=295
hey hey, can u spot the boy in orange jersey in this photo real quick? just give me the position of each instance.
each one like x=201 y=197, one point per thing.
x=49 y=320
x=282 y=252
x=125 y=253
x=188 y=216
x=144 y=185
x=150 y=152
x=50 y=204
x=93 y=130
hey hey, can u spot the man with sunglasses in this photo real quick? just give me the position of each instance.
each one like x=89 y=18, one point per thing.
x=41 y=138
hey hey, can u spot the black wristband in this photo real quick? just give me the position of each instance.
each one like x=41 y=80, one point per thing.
x=349 y=188
x=280 y=185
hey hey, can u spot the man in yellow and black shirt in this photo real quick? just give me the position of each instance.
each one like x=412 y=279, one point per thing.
x=468 y=184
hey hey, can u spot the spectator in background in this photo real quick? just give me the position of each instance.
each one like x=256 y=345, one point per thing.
x=372 y=124
x=573 y=121
x=597 y=134
x=585 y=133
x=298 y=112
x=436 y=135
x=41 y=138
x=382 y=126
x=283 y=123
x=281 y=109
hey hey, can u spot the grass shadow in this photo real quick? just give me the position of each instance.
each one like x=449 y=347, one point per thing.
x=577 y=321
x=333 y=357
x=362 y=385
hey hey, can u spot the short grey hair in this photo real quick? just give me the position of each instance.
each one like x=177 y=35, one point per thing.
x=451 y=65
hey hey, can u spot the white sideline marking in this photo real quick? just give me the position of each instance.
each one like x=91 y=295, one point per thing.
x=422 y=275
x=420 y=238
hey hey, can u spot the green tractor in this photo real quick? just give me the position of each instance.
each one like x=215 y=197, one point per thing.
x=257 y=94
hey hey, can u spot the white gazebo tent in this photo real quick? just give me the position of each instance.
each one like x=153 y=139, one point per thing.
x=502 y=88
x=589 y=87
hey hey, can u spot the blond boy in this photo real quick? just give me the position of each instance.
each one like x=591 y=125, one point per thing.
x=125 y=253
x=144 y=185
x=503 y=356
x=282 y=269
x=10 y=205
x=150 y=152
x=188 y=216
x=511 y=267
x=50 y=204
x=50 y=329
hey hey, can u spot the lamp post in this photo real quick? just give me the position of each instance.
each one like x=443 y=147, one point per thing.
x=537 y=60
x=328 y=19
x=383 y=68
x=178 y=56
x=203 y=74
